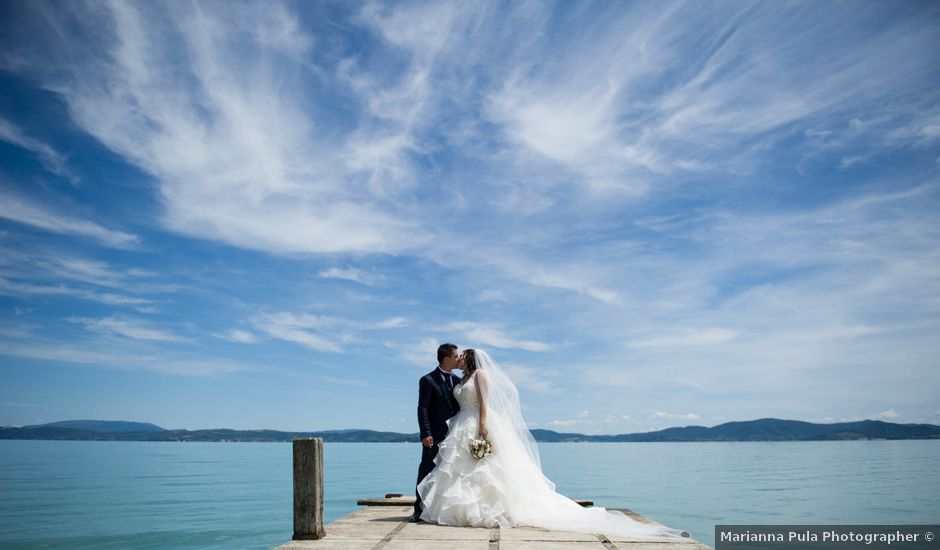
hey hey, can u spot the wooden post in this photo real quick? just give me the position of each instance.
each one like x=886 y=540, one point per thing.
x=308 y=489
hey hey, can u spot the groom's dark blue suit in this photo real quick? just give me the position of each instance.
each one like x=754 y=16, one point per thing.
x=436 y=404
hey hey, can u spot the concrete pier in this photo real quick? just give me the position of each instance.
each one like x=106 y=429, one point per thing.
x=382 y=523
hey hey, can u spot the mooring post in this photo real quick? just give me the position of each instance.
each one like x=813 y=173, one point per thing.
x=308 y=488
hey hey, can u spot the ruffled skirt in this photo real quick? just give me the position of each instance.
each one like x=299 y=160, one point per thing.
x=508 y=489
x=462 y=490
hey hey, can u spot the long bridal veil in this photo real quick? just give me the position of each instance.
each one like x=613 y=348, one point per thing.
x=531 y=496
x=502 y=401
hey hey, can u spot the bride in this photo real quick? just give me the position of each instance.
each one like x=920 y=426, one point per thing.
x=506 y=488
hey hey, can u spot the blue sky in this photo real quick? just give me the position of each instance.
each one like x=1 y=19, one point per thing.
x=263 y=215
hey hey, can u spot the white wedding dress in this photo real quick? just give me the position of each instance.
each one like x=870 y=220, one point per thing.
x=507 y=488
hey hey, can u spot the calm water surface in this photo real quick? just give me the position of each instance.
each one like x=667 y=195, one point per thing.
x=160 y=495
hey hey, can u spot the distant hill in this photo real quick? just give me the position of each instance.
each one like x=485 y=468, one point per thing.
x=101 y=426
x=55 y=432
x=764 y=429
x=773 y=429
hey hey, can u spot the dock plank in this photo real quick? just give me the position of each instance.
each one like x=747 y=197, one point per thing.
x=385 y=527
x=399 y=500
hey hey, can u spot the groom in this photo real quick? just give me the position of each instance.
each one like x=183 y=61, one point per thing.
x=436 y=404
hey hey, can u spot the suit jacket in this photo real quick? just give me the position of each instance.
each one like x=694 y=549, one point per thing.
x=436 y=404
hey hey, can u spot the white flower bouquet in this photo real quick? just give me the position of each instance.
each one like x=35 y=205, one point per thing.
x=480 y=448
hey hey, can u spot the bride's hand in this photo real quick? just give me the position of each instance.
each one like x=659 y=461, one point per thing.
x=483 y=431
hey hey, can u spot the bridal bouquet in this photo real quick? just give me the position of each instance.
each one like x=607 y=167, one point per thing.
x=480 y=448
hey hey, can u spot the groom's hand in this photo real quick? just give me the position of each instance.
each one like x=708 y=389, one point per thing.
x=428 y=441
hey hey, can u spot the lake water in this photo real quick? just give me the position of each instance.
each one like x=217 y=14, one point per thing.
x=160 y=495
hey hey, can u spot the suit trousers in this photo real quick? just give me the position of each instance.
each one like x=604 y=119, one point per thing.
x=427 y=464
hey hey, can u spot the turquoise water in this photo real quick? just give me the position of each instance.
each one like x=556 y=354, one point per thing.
x=90 y=494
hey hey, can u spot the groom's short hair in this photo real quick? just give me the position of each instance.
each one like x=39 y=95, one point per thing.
x=444 y=351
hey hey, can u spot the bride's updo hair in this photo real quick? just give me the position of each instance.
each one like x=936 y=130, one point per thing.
x=470 y=364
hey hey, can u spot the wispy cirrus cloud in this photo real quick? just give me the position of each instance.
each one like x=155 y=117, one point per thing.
x=688 y=337
x=99 y=356
x=660 y=415
x=539 y=380
x=39 y=271
x=320 y=332
x=419 y=354
x=304 y=329
x=238 y=136
x=51 y=159
x=391 y=322
x=129 y=328
x=22 y=210
x=351 y=274
x=743 y=77
x=575 y=280
x=491 y=335
x=13 y=288
x=889 y=414
x=775 y=300
x=238 y=336
x=688 y=206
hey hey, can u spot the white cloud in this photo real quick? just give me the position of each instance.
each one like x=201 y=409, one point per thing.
x=889 y=414
x=779 y=300
x=351 y=274
x=688 y=337
x=82 y=269
x=129 y=328
x=38 y=271
x=103 y=354
x=13 y=288
x=422 y=354
x=424 y=32
x=238 y=336
x=743 y=279
x=319 y=332
x=921 y=131
x=392 y=322
x=42 y=264
x=534 y=379
x=304 y=329
x=51 y=159
x=850 y=161
x=21 y=210
x=236 y=152
x=573 y=282
x=723 y=83
x=117 y=299
x=487 y=335
x=660 y=415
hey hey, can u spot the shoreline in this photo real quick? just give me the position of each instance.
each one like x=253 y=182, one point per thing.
x=103 y=440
